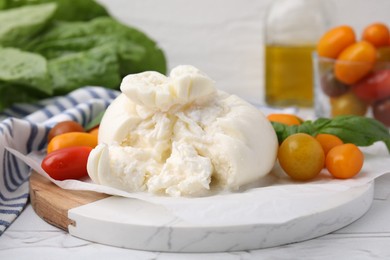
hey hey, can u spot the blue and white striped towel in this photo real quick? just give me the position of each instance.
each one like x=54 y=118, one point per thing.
x=24 y=128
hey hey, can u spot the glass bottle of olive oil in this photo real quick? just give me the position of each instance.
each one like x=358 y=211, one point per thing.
x=292 y=29
x=289 y=75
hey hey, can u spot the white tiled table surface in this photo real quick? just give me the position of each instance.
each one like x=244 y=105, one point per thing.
x=231 y=26
x=29 y=237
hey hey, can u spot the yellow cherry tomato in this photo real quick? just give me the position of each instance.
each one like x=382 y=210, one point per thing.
x=348 y=104
x=301 y=156
x=383 y=54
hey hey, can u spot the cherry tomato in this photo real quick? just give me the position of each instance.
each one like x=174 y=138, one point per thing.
x=348 y=104
x=70 y=140
x=377 y=34
x=331 y=86
x=344 y=161
x=94 y=131
x=328 y=141
x=381 y=111
x=64 y=127
x=355 y=62
x=374 y=87
x=301 y=156
x=67 y=163
x=383 y=54
x=287 y=119
x=333 y=42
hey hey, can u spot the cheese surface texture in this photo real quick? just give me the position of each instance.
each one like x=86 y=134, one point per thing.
x=180 y=136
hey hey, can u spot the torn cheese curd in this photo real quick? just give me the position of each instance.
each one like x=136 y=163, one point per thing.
x=180 y=136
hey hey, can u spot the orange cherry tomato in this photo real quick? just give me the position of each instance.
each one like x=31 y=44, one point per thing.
x=64 y=127
x=344 y=161
x=355 y=62
x=333 y=42
x=377 y=34
x=287 y=119
x=70 y=140
x=328 y=141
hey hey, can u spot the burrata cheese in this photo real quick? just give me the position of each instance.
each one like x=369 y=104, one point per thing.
x=180 y=136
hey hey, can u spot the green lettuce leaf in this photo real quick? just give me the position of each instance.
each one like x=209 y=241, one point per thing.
x=68 y=10
x=15 y=93
x=62 y=45
x=20 y=24
x=136 y=51
x=24 y=69
x=98 y=66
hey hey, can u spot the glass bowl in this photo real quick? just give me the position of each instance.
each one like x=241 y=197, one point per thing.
x=351 y=88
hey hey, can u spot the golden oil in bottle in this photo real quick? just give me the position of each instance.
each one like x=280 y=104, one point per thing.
x=289 y=75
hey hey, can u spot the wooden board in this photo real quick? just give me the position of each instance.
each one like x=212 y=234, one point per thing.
x=52 y=203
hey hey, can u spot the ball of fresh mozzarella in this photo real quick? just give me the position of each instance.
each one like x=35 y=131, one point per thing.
x=179 y=135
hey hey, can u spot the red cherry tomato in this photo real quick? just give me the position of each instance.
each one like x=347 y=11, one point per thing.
x=64 y=127
x=67 y=163
x=331 y=86
x=374 y=87
x=381 y=111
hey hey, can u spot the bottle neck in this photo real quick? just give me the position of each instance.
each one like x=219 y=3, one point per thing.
x=296 y=22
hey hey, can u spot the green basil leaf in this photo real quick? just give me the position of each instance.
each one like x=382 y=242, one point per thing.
x=280 y=130
x=95 y=121
x=359 y=130
x=283 y=131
